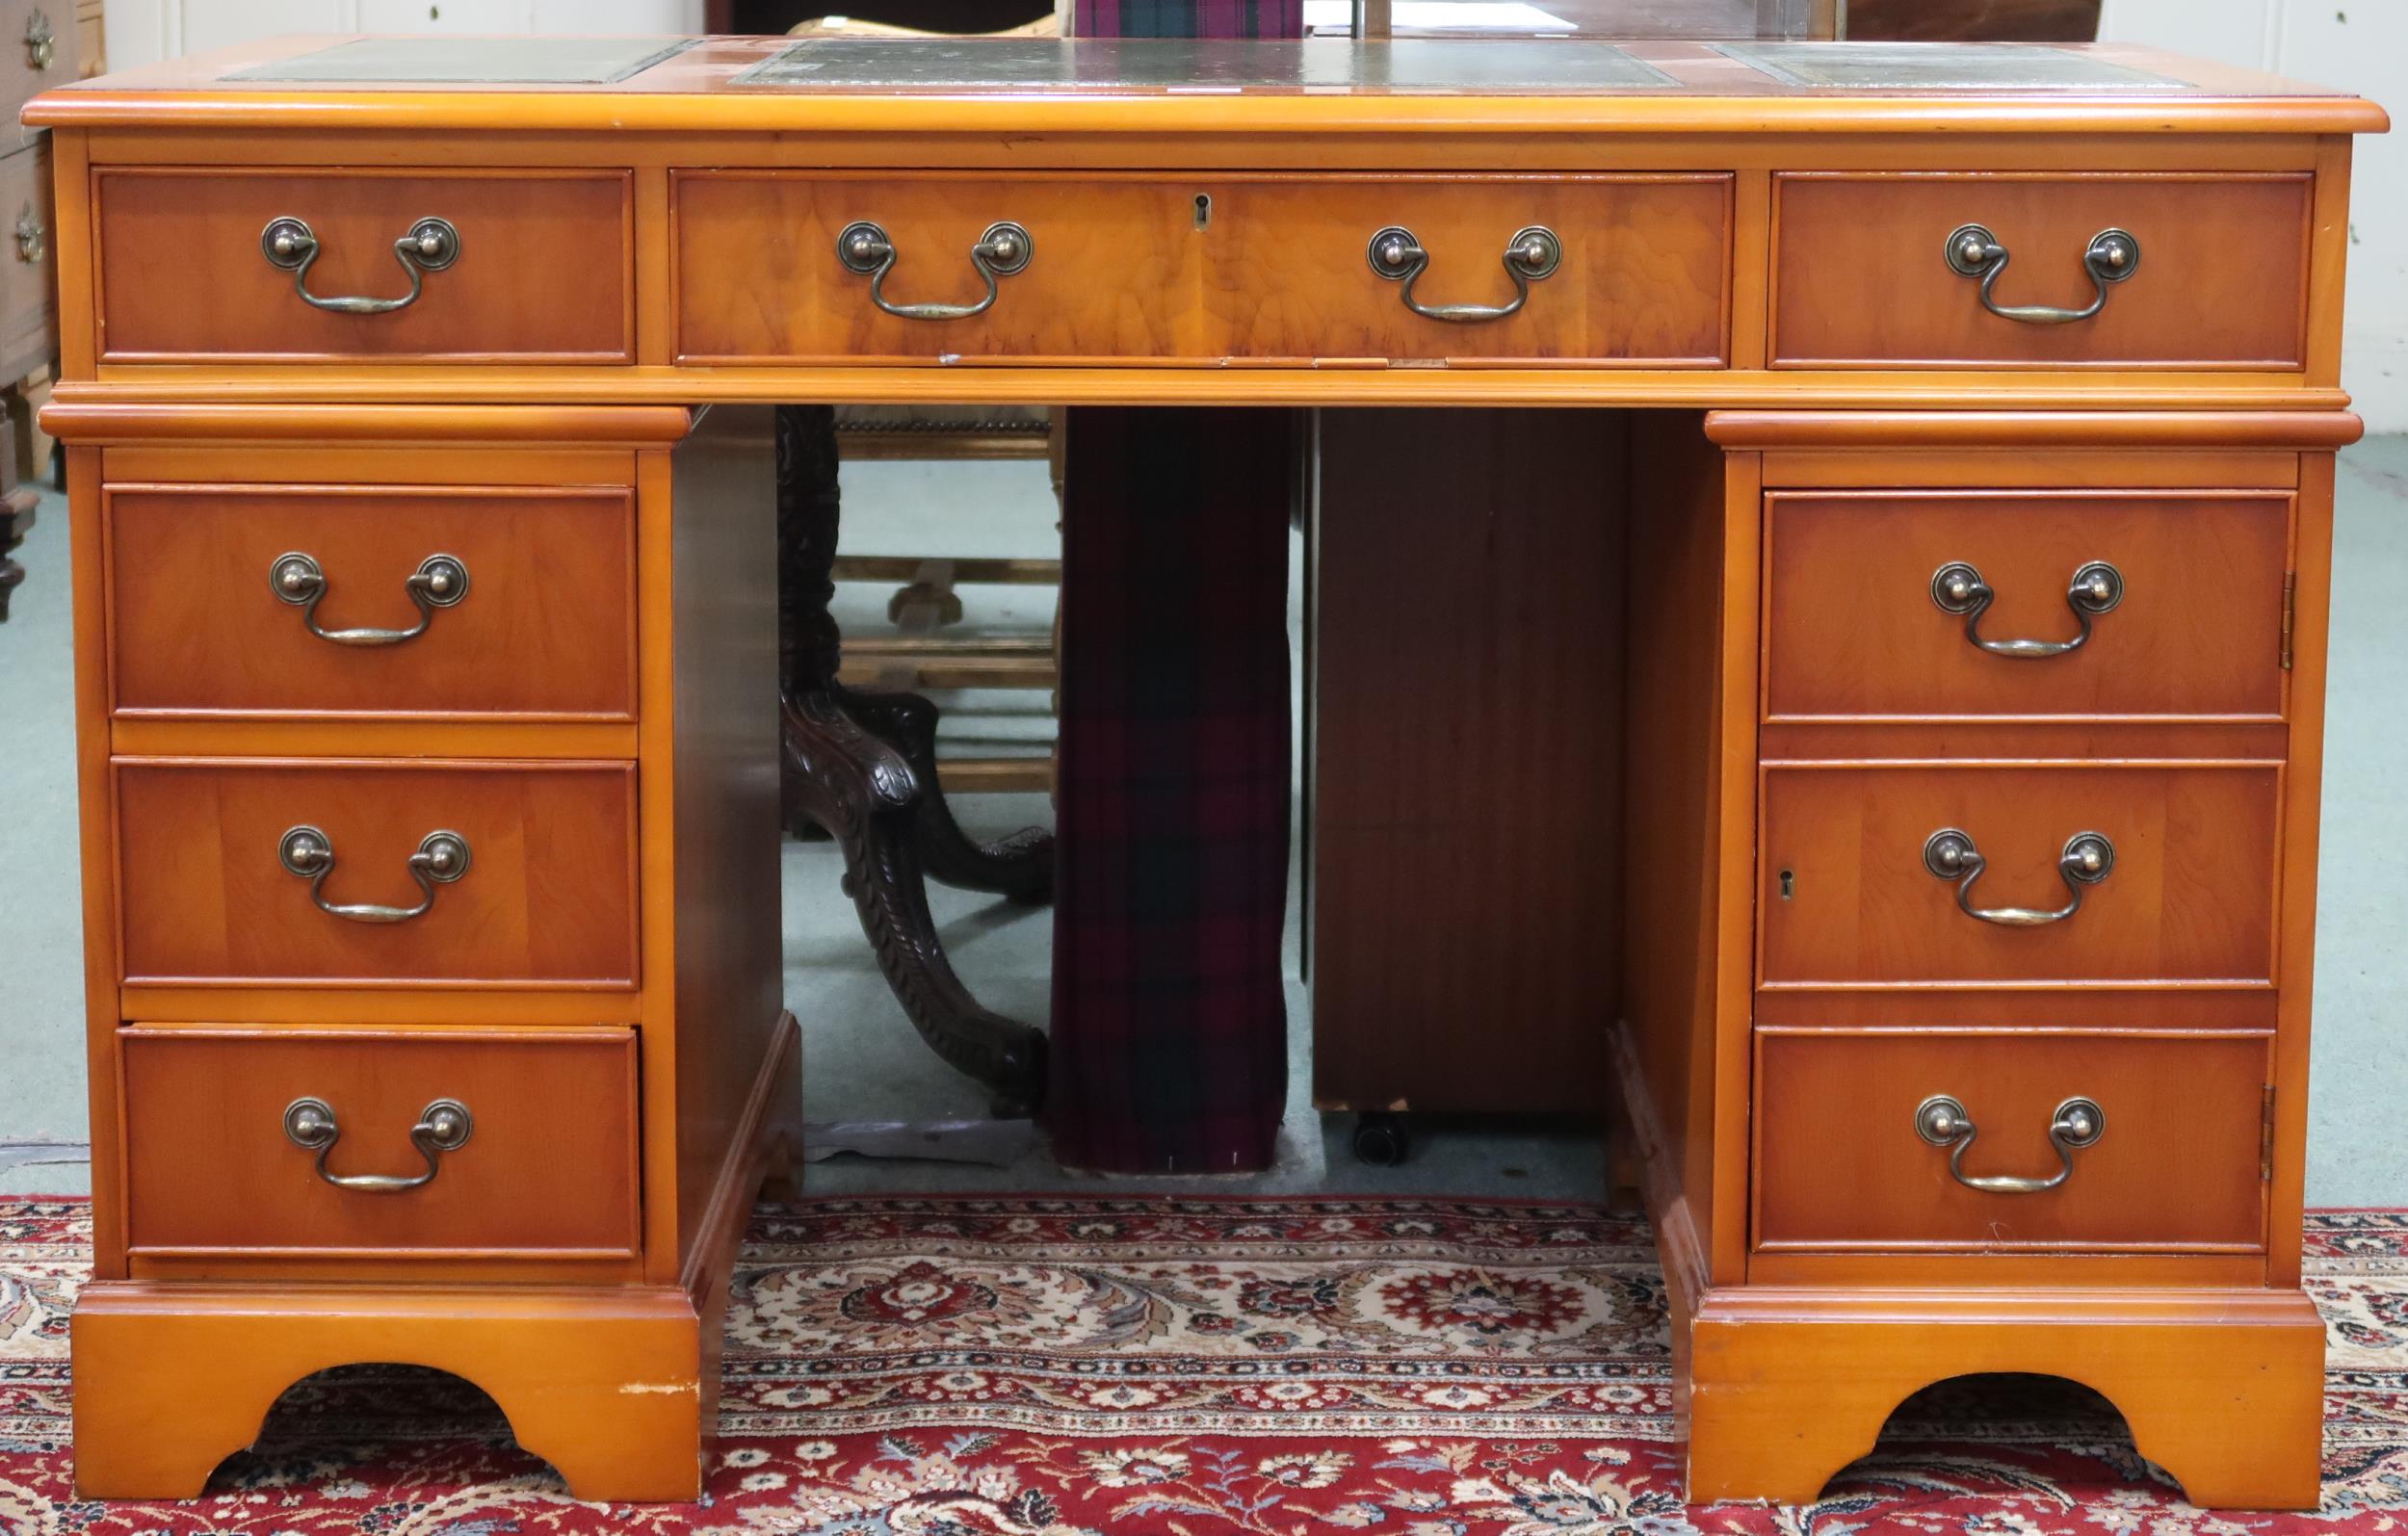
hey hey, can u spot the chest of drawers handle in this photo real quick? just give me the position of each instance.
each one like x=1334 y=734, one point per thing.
x=440 y=581
x=430 y=245
x=443 y=1126
x=1958 y=589
x=1943 y=1122
x=41 y=47
x=1950 y=854
x=442 y=857
x=1531 y=254
x=1973 y=251
x=866 y=251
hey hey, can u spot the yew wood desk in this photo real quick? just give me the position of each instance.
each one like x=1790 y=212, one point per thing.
x=1966 y=417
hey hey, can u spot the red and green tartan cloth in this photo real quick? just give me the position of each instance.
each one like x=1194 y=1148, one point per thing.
x=1179 y=1366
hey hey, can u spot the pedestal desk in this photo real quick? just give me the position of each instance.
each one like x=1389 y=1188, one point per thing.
x=1964 y=420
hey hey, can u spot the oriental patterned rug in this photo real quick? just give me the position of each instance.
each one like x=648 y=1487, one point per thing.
x=1036 y=1366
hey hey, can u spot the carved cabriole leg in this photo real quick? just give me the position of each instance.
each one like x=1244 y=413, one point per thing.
x=1020 y=866
x=863 y=792
x=876 y=793
x=604 y=1384
x=2223 y=1389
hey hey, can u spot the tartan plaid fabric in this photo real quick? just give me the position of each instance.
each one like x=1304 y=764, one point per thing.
x=1189 y=18
x=1170 y=1019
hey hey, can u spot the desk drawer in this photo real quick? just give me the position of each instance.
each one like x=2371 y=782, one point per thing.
x=1849 y=896
x=1109 y=268
x=2190 y=623
x=1862 y=275
x=536 y=888
x=523 y=600
x=541 y=271
x=1636 y=273
x=547 y=1166
x=1840 y=1162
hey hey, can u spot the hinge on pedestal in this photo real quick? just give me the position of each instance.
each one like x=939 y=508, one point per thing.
x=2290 y=607
x=2266 y=1135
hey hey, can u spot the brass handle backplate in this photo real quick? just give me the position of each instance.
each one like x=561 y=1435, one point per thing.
x=866 y=251
x=430 y=245
x=41 y=48
x=2088 y=859
x=440 y=581
x=2111 y=257
x=442 y=857
x=1943 y=1122
x=32 y=241
x=1957 y=588
x=1531 y=254
x=443 y=1126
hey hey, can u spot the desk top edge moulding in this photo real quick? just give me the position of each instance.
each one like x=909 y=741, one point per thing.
x=435 y=1007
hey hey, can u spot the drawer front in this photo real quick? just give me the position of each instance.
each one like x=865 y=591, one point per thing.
x=38 y=52
x=542 y=270
x=1110 y=269
x=1862 y=275
x=1856 y=627
x=1641 y=277
x=541 y=887
x=532 y=615
x=1840 y=1162
x=1847 y=898
x=547 y=1168
x=29 y=308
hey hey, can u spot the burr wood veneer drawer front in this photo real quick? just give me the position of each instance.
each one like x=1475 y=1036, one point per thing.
x=325 y=1143
x=380 y=874
x=1984 y=270
x=1610 y=269
x=1953 y=605
x=1900 y=1141
x=1899 y=874
x=429 y=600
x=301 y=266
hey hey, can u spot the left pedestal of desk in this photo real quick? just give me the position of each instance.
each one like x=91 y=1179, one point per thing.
x=429 y=840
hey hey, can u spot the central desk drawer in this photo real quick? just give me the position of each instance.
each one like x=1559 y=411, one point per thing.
x=538 y=266
x=1871 y=875
x=2165 y=1156
x=508 y=873
x=2181 y=598
x=539 y=1159
x=1629 y=270
x=2213 y=273
x=314 y=601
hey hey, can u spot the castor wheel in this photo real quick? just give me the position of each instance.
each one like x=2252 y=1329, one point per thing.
x=1381 y=1140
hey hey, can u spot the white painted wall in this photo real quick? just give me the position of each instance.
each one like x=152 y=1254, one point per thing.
x=2359 y=46
x=143 y=32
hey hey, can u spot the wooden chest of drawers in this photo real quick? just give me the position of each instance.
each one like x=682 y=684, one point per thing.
x=1955 y=547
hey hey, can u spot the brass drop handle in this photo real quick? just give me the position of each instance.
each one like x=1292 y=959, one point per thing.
x=440 y=581
x=2112 y=256
x=1531 y=254
x=32 y=241
x=41 y=48
x=2088 y=858
x=430 y=245
x=866 y=251
x=1958 y=589
x=442 y=857
x=1943 y=1122
x=442 y=1126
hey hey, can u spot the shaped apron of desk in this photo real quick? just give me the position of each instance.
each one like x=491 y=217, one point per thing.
x=1966 y=416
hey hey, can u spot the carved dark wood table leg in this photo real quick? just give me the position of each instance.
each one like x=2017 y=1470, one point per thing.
x=17 y=520
x=863 y=767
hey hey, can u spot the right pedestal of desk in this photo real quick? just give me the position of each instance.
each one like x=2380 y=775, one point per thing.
x=1969 y=916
